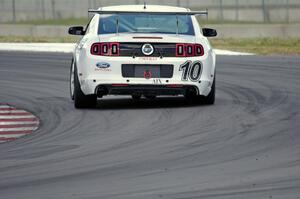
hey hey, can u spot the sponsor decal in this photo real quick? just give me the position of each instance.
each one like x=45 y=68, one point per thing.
x=102 y=65
x=157 y=81
x=147 y=49
x=103 y=69
x=148 y=58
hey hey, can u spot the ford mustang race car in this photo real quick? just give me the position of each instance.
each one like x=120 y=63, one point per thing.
x=142 y=51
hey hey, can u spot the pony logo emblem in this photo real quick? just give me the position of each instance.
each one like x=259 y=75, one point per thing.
x=147 y=49
x=147 y=74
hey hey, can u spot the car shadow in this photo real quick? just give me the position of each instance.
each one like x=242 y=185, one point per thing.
x=160 y=102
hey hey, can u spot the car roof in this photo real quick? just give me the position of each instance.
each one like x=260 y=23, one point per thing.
x=149 y=8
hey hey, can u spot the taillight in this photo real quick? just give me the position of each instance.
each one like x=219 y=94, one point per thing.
x=106 y=49
x=96 y=49
x=114 y=47
x=189 y=50
x=199 y=50
x=180 y=51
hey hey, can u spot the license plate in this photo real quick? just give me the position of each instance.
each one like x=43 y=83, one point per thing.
x=147 y=71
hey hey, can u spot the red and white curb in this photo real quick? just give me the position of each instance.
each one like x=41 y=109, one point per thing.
x=15 y=123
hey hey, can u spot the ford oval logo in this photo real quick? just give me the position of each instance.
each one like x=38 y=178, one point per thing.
x=147 y=49
x=103 y=65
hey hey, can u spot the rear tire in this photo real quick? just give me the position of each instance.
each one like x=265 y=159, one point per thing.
x=200 y=99
x=80 y=99
x=210 y=98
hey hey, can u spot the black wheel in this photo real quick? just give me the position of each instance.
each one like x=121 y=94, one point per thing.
x=150 y=97
x=210 y=98
x=136 y=96
x=80 y=99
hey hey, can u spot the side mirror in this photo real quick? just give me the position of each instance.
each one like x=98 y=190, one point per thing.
x=76 y=30
x=208 y=32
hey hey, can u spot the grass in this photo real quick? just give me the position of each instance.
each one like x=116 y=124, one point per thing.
x=261 y=46
x=69 y=21
x=30 y=39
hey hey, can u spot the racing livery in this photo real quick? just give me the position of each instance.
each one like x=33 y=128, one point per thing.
x=141 y=50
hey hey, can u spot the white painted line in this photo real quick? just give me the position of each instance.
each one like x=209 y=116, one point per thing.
x=16 y=116
x=16 y=122
x=32 y=128
x=13 y=111
x=38 y=47
x=13 y=135
x=5 y=106
x=69 y=47
x=228 y=52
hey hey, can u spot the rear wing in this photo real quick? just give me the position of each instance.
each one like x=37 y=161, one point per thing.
x=205 y=12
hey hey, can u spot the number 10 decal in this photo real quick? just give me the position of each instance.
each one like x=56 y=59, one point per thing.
x=191 y=71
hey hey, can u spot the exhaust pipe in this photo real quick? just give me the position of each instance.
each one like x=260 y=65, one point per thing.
x=191 y=91
x=101 y=91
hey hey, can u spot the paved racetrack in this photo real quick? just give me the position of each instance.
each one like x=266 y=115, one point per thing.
x=245 y=146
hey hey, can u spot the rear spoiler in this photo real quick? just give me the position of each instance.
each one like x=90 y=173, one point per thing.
x=205 y=12
x=150 y=13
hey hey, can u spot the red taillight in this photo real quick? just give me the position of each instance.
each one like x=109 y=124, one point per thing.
x=180 y=51
x=189 y=50
x=199 y=51
x=114 y=48
x=96 y=49
x=106 y=49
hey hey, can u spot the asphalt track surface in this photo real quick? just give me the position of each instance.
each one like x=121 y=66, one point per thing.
x=245 y=146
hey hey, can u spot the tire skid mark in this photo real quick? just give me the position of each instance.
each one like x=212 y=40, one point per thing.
x=245 y=146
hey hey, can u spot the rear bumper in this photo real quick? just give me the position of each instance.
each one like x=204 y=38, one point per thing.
x=91 y=77
x=140 y=89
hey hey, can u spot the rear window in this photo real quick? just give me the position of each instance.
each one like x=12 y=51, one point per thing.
x=146 y=23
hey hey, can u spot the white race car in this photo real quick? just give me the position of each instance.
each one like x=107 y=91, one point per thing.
x=142 y=50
